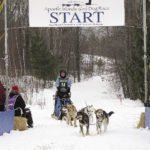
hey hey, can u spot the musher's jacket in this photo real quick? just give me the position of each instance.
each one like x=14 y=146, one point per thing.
x=63 y=86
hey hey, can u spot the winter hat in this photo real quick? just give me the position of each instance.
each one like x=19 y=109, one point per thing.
x=65 y=73
x=15 y=88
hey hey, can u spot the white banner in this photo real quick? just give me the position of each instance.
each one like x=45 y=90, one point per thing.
x=76 y=13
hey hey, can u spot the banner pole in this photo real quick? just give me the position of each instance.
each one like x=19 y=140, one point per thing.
x=6 y=52
x=145 y=50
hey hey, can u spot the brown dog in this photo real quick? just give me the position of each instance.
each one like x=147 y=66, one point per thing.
x=71 y=114
x=20 y=123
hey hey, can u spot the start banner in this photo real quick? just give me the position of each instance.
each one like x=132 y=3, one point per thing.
x=76 y=13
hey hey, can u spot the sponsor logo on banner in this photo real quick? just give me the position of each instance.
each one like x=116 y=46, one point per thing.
x=76 y=13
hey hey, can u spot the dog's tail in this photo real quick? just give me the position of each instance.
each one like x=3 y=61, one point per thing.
x=110 y=113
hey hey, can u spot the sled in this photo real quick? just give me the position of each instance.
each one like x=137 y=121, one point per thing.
x=59 y=104
x=6 y=121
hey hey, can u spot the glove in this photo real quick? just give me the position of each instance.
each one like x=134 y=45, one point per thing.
x=58 y=88
x=68 y=90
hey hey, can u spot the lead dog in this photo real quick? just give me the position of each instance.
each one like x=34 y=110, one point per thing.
x=102 y=118
x=69 y=114
x=83 y=121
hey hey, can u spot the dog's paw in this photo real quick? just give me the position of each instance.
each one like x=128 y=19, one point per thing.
x=87 y=134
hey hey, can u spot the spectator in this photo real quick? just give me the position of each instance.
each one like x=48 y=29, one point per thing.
x=2 y=97
x=17 y=103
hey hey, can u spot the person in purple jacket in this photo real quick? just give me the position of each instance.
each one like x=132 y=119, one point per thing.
x=17 y=103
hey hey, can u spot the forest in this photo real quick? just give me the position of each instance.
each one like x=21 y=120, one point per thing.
x=42 y=52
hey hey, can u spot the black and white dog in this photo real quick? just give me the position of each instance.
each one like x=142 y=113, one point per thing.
x=102 y=118
x=89 y=110
x=83 y=122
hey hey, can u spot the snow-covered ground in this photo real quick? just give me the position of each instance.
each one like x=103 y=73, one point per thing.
x=51 y=134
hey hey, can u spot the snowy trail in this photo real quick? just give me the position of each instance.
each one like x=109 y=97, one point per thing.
x=50 y=134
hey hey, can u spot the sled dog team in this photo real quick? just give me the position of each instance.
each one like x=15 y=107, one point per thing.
x=71 y=115
x=64 y=108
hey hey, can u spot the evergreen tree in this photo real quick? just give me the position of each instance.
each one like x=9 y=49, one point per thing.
x=136 y=65
x=43 y=62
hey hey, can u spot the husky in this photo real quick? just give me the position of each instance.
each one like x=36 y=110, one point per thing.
x=69 y=114
x=102 y=118
x=89 y=110
x=83 y=121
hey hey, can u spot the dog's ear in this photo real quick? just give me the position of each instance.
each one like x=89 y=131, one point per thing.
x=90 y=106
